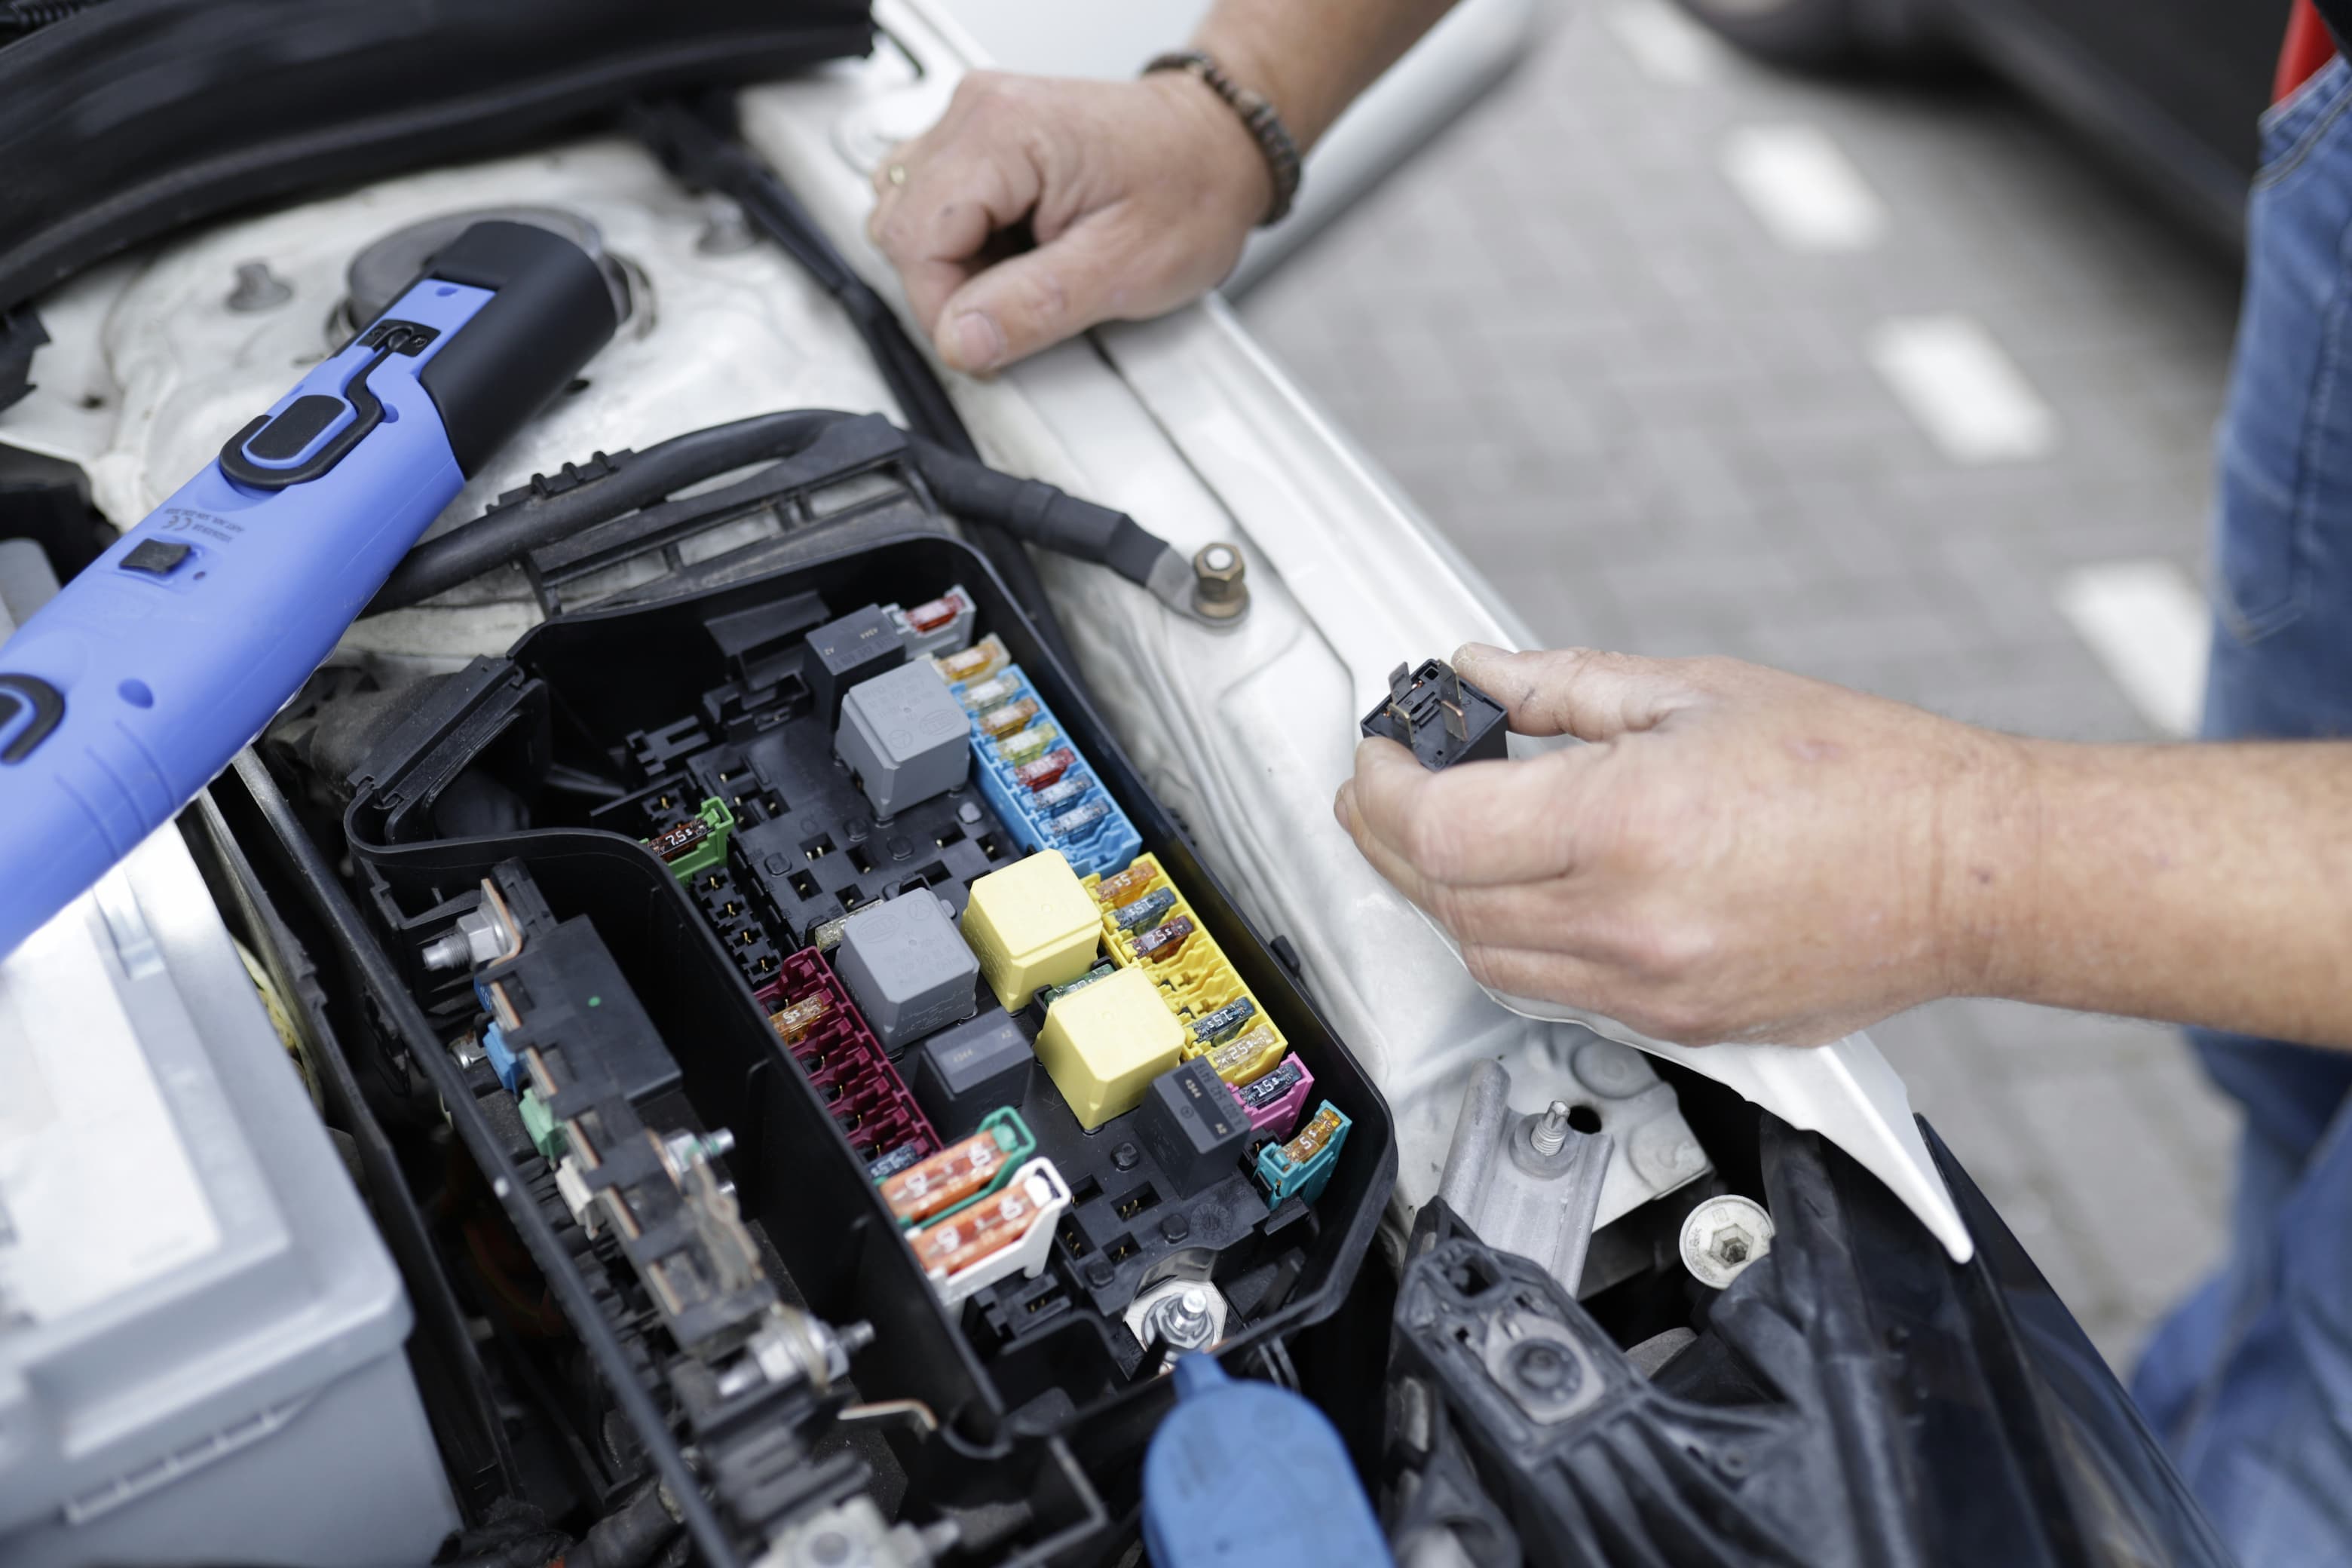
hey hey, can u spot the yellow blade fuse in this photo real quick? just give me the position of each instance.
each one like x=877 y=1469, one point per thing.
x=1001 y=722
x=1029 y=743
x=1249 y=1058
x=794 y=1023
x=983 y=658
x=1128 y=885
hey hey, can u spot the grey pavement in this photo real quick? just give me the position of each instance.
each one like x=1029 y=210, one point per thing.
x=1577 y=348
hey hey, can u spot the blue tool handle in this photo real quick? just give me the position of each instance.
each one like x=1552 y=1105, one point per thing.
x=125 y=694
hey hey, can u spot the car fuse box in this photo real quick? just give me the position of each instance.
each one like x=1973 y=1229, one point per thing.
x=878 y=1117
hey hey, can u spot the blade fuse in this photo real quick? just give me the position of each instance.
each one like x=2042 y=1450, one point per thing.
x=999 y=722
x=1062 y=793
x=1046 y=770
x=1009 y=1232
x=983 y=658
x=1273 y=1102
x=961 y=1173
x=1302 y=1167
x=1028 y=744
x=1144 y=912
x=794 y=1023
x=1211 y=1028
x=1116 y=891
x=1166 y=939
x=1247 y=1057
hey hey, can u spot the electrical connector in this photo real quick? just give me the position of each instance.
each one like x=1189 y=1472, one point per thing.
x=1273 y=1101
x=1439 y=717
x=1302 y=1167
x=961 y=1173
x=1103 y=1045
x=697 y=843
x=1009 y=1232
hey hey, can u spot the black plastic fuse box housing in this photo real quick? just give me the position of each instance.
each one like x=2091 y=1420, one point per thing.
x=1037 y=1360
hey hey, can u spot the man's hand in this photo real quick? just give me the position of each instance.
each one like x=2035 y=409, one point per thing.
x=1737 y=855
x=1138 y=196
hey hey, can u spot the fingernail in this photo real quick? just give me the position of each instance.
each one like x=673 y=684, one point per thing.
x=975 y=343
x=1474 y=651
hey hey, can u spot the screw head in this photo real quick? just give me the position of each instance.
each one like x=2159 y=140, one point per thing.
x=1220 y=588
x=1723 y=1237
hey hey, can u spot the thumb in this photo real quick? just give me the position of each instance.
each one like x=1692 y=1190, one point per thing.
x=1031 y=300
x=1577 y=691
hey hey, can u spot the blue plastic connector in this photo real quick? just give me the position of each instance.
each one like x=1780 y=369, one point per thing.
x=1246 y=1475
x=502 y=1058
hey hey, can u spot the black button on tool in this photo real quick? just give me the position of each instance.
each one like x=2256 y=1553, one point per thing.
x=44 y=704
x=156 y=557
x=284 y=438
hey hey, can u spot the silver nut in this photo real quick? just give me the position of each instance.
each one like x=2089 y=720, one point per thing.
x=1220 y=590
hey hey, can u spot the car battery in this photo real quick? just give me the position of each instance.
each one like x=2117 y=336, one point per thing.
x=200 y=1331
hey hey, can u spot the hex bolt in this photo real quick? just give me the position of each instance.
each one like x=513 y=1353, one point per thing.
x=1219 y=587
x=1183 y=1320
x=1723 y=1237
x=1550 y=1131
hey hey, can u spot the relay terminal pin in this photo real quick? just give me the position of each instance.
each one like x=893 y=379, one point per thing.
x=1439 y=717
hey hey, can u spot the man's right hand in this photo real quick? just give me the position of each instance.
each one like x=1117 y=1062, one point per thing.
x=1138 y=196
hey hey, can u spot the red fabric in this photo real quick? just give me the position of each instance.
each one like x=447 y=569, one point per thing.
x=2309 y=45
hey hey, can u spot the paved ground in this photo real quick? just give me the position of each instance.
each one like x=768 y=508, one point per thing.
x=1593 y=362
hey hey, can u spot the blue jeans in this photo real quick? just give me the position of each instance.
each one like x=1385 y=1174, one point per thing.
x=2250 y=1381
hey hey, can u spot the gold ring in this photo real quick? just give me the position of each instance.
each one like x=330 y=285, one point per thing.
x=897 y=173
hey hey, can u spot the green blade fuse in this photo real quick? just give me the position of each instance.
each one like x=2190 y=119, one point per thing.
x=1001 y=722
x=1052 y=994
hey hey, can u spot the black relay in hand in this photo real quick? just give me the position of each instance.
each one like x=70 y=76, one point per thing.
x=1439 y=717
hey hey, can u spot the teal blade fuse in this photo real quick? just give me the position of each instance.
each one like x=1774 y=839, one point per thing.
x=125 y=694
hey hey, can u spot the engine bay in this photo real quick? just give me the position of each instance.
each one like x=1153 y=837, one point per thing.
x=807 y=1053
